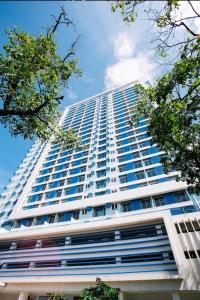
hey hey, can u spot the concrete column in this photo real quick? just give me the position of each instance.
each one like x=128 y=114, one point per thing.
x=67 y=241
x=121 y=296
x=23 y=296
x=175 y=296
x=38 y=244
x=117 y=235
x=13 y=246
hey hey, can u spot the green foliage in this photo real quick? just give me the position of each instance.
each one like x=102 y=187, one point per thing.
x=101 y=291
x=173 y=106
x=32 y=76
x=172 y=103
x=56 y=296
x=69 y=139
x=129 y=13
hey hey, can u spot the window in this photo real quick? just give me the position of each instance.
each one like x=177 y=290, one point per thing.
x=189 y=226
x=100 y=184
x=99 y=211
x=75 y=179
x=159 y=201
x=84 y=211
x=147 y=162
x=123 y=179
x=135 y=155
x=181 y=196
x=100 y=193
x=77 y=170
x=38 y=188
x=17 y=265
x=102 y=155
x=138 y=164
x=42 y=179
x=58 y=175
x=140 y=175
x=102 y=142
x=101 y=173
x=151 y=173
x=48 y=264
x=126 y=206
x=79 y=162
x=61 y=167
x=122 y=168
x=79 y=189
x=62 y=160
x=35 y=198
x=51 y=219
x=145 y=152
x=196 y=225
x=56 y=183
x=183 y=227
x=46 y=171
x=192 y=254
x=101 y=164
x=146 y=203
x=114 y=206
x=75 y=215
x=53 y=194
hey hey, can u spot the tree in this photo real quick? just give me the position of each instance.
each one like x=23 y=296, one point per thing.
x=166 y=17
x=32 y=76
x=56 y=296
x=101 y=291
x=172 y=102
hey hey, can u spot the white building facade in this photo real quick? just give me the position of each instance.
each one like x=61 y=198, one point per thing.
x=107 y=210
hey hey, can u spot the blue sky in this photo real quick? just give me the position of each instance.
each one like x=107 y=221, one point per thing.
x=110 y=52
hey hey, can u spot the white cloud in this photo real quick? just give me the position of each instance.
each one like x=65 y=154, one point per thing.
x=129 y=66
x=123 y=46
x=70 y=94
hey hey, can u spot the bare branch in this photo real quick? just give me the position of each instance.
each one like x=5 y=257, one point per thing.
x=72 y=49
x=61 y=19
x=194 y=10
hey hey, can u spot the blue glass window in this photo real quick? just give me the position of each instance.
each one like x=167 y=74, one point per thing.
x=59 y=175
x=61 y=167
x=48 y=164
x=101 y=173
x=53 y=194
x=101 y=164
x=77 y=170
x=46 y=171
x=76 y=179
x=74 y=190
x=100 y=184
x=64 y=159
x=42 y=179
x=126 y=167
x=57 y=183
x=151 y=173
x=35 y=198
x=38 y=188
x=79 y=162
x=140 y=175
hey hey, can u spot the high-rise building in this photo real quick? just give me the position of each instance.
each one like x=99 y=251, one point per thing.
x=107 y=210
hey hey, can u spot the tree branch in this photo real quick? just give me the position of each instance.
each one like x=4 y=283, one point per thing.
x=62 y=19
x=194 y=10
x=72 y=49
